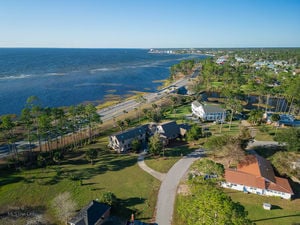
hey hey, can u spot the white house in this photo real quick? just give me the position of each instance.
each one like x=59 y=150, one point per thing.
x=208 y=112
x=255 y=175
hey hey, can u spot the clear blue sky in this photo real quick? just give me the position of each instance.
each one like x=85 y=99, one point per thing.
x=149 y=23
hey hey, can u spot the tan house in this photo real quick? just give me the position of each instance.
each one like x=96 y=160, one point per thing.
x=121 y=142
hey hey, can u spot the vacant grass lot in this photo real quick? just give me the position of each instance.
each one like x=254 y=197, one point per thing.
x=135 y=189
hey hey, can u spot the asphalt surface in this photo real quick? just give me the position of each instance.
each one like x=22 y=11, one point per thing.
x=143 y=166
x=170 y=182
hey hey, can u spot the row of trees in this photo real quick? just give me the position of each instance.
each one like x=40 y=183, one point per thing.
x=50 y=127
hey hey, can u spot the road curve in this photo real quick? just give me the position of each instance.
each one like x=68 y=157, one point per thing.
x=168 y=188
x=143 y=166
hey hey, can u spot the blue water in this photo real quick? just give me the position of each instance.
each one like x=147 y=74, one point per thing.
x=63 y=77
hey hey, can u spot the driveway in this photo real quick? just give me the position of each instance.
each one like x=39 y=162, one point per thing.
x=170 y=182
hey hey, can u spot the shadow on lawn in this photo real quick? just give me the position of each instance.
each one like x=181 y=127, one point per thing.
x=105 y=163
x=277 y=217
x=125 y=207
x=10 y=179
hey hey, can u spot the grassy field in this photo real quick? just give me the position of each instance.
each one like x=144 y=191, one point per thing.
x=136 y=190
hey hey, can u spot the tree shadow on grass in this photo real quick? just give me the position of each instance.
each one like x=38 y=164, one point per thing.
x=10 y=179
x=105 y=164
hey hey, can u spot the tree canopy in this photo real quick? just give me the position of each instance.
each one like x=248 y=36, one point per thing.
x=209 y=205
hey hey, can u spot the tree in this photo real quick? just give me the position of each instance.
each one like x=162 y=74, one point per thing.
x=7 y=125
x=275 y=117
x=255 y=117
x=209 y=205
x=27 y=121
x=136 y=145
x=64 y=206
x=290 y=137
x=92 y=117
x=155 y=144
x=91 y=154
x=121 y=124
x=207 y=166
x=194 y=133
x=57 y=157
x=140 y=100
x=108 y=198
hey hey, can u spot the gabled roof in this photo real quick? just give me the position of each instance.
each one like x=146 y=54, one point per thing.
x=212 y=108
x=258 y=166
x=208 y=108
x=131 y=133
x=256 y=171
x=169 y=129
x=90 y=214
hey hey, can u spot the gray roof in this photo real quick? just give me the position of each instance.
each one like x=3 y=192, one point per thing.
x=170 y=129
x=196 y=103
x=132 y=133
x=212 y=108
x=90 y=214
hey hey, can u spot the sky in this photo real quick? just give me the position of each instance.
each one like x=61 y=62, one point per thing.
x=149 y=23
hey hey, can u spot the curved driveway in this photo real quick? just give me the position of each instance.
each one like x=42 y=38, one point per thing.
x=168 y=188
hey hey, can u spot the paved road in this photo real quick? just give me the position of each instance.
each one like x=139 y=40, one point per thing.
x=117 y=110
x=168 y=188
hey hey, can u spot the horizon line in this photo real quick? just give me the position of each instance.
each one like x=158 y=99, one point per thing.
x=253 y=47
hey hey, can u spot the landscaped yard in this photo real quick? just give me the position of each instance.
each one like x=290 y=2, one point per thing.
x=172 y=155
x=135 y=189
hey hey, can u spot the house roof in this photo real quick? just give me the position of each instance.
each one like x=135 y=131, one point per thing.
x=208 y=108
x=169 y=129
x=258 y=166
x=90 y=214
x=196 y=103
x=132 y=133
x=212 y=108
x=255 y=171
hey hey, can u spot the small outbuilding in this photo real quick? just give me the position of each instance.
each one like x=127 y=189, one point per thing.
x=267 y=206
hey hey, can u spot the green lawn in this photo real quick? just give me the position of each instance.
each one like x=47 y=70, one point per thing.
x=172 y=155
x=179 y=113
x=283 y=212
x=135 y=189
